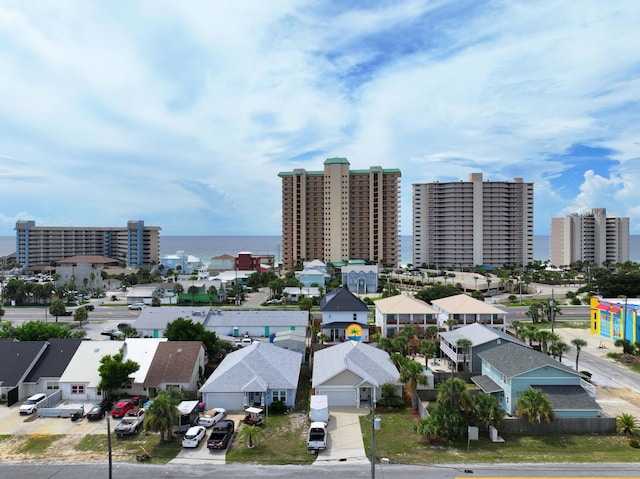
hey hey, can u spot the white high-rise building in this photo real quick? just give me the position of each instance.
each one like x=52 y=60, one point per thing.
x=593 y=237
x=463 y=224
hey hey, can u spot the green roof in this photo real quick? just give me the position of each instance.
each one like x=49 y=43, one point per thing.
x=336 y=161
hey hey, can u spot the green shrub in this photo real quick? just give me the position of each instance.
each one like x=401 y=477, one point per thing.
x=634 y=443
x=278 y=408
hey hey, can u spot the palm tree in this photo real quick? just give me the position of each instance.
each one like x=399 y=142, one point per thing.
x=535 y=406
x=464 y=345
x=451 y=323
x=487 y=411
x=178 y=289
x=193 y=289
x=579 y=344
x=251 y=434
x=543 y=336
x=453 y=393
x=627 y=424
x=411 y=373
x=428 y=348
x=385 y=344
x=162 y=414
x=400 y=344
x=211 y=291
x=558 y=348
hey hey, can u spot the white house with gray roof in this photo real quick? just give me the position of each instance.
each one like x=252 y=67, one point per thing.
x=152 y=322
x=253 y=376
x=352 y=373
x=509 y=370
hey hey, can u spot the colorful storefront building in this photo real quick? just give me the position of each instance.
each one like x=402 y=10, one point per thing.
x=615 y=318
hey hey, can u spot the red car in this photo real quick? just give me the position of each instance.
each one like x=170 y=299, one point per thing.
x=121 y=408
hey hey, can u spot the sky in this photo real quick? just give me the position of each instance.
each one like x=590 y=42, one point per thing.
x=182 y=113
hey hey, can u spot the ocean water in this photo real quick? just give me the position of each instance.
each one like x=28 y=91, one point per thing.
x=205 y=247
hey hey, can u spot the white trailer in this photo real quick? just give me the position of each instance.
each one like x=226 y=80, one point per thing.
x=319 y=410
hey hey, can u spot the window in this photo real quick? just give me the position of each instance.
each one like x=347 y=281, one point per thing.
x=279 y=396
x=53 y=385
x=77 y=389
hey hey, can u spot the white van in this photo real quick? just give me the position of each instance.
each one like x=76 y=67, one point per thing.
x=31 y=404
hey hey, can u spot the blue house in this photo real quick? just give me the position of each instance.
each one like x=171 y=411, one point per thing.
x=360 y=278
x=509 y=370
x=314 y=274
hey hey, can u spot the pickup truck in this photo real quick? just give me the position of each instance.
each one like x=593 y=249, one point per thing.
x=317 y=437
x=131 y=423
x=221 y=434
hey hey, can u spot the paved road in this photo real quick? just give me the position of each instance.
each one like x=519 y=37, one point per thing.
x=354 y=471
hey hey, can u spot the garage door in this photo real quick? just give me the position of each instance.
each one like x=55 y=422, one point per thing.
x=341 y=397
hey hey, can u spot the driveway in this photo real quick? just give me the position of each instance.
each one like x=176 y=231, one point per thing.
x=202 y=455
x=345 y=438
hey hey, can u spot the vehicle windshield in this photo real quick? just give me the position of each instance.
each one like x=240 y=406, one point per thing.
x=30 y=401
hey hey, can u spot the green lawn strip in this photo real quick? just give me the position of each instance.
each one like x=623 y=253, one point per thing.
x=397 y=441
x=284 y=443
x=126 y=448
x=5 y=437
x=38 y=443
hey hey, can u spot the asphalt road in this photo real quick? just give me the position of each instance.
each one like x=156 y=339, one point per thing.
x=242 y=471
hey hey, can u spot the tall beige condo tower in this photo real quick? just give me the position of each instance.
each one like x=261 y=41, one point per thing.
x=593 y=237
x=462 y=224
x=340 y=214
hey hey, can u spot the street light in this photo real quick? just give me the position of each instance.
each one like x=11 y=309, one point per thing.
x=551 y=310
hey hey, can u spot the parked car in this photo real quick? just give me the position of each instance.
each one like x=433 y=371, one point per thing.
x=123 y=326
x=131 y=423
x=31 y=404
x=136 y=306
x=121 y=408
x=211 y=417
x=221 y=434
x=96 y=412
x=106 y=404
x=112 y=333
x=89 y=307
x=193 y=436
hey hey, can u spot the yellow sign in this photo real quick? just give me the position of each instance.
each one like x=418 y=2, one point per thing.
x=354 y=332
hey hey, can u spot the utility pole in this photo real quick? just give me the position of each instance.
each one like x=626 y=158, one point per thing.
x=552 y=310
x=373 y=435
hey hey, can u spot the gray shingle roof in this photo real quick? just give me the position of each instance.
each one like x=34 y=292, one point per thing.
x=568 y=397
x=258 y=367
x=513 y=360
x=342 y=300
x=487 y=384
x=368 y=362
x=478 y=334
x=17 y=359
x=54 y=360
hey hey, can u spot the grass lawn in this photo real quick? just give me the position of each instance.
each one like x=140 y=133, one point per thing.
x=397 y=441
x=36 y=444
x=284 y=443
x=127 y=447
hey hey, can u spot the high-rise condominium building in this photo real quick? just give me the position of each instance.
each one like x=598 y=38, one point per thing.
x=340 y=214
x=593 y=237
x=135 y=244
x=471 y=223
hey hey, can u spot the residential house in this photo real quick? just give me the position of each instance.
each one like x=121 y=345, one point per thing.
x=467 y=310
x=481 y=337
x=395 y=313
x=80 y=379
x=352 y=374
x=18 y=358
x=44 y=377
x=292 y=294
x=340 y=309
x=256 y=375
x=176 y=365
x=360 y=278
x=508 y=370
x=255 y=323
x=221 y=263
x=181 y=262
x=142 y=351
x=152 y=322
x=314 y=274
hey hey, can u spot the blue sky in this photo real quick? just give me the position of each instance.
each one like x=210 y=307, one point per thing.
x=182 y=113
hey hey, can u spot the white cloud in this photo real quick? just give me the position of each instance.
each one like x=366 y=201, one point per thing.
x=182 y=114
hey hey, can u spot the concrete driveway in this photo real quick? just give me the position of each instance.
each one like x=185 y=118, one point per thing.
x=345 y=438
x=202 y=455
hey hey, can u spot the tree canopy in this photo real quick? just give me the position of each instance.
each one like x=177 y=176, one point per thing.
x=37 y=331
x=186 y=330
x=436 y=292
x=114 y=372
